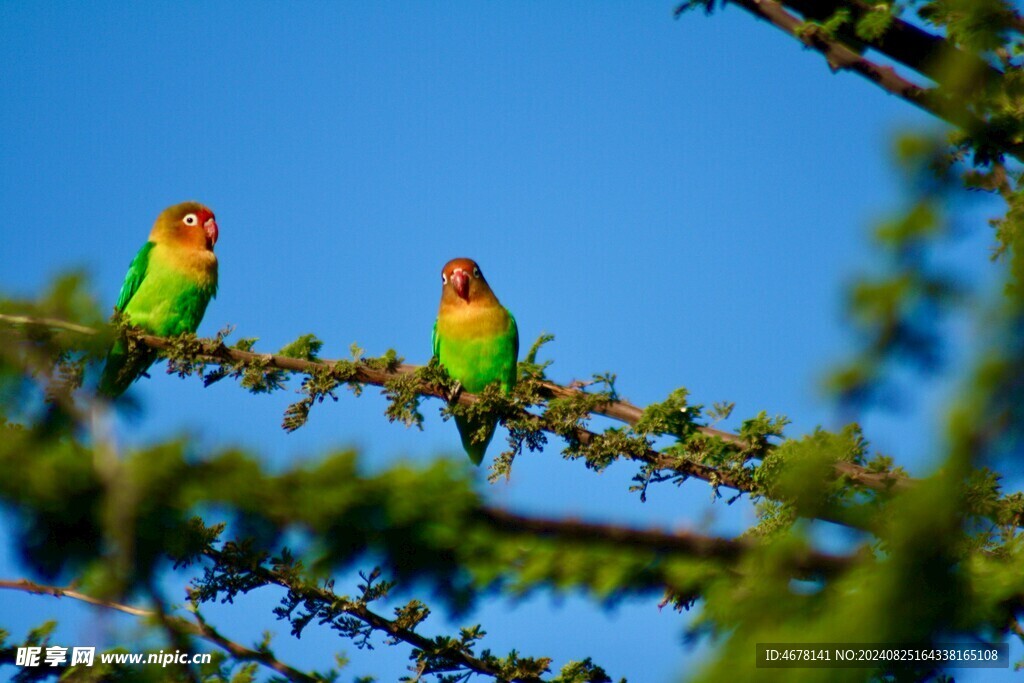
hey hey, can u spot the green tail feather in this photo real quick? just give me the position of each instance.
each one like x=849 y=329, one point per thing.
x=123 y=368
x=467 y=428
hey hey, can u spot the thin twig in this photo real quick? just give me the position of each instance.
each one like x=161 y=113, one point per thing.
x=28 y=321
x=31 y=587
x=200 y=629
x=240 y=652
x=1017 y=628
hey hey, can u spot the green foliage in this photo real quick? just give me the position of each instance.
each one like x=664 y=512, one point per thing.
x=924 y=559
x=827 y=28
x=115 y=522
x=800 y=472
x=672 y=416
x=317 y=386
x=979 y=25
x=305 y=347
x=873 y=24
x=404 y=393
x=529 y=368
x=899 y=312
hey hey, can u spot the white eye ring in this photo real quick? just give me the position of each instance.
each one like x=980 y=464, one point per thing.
x=190 y=219
x=476 y=272
x=444 y=279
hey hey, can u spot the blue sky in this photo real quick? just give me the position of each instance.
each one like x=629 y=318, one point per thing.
x=679 y=202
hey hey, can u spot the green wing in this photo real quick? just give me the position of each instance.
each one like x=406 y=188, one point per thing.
x=513 y=370
x=435 y=343
x=120 y=370
x=136 y=273
x=515 y=336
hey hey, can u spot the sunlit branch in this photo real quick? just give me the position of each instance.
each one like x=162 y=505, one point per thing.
x=52 y=323
x=31 y=587
x=841 y=56
x=614 y=409
x=927 y=53
x=200 y=628
x=618 y=409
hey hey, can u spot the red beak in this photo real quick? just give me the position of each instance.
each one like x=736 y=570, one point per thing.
x=210 y=226
x=460 y=281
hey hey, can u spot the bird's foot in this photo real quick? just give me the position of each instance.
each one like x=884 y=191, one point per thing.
x=456 y=390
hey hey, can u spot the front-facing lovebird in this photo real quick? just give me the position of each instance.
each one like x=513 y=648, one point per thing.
x=169 y=284
x=477 y=342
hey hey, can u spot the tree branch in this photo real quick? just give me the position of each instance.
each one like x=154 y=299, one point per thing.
x=54 y=323
x=927 y=53
x=200 y=629
x=39 y=589
x=358 y=610
x=811 y=563
x=840 y=56
x=619 y=410
x=242 y=653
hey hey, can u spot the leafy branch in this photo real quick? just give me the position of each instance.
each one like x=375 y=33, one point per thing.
x=568 y=408
x=199 y=628
x=925 y=52
x=236 y=566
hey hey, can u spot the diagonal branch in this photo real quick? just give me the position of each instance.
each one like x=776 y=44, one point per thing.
x=263 y=656
x=53 y=323
x=805 y=564
x=39 y=589
x=200 y=629
x=358 y=610
x=841 y=56
x=929 y=54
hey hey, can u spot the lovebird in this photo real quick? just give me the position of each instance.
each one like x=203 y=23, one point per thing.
x=476 y=340
x=168 y=286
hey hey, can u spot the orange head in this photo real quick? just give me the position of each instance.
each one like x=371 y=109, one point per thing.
x=462 y=282
x=189 y=224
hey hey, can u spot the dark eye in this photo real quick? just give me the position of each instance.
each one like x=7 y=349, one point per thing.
x=476 y=272
x=190 y=219
x=444 y=279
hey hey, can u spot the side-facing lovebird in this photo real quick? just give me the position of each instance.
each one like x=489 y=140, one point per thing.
x=477 y=342
x=169 y=284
